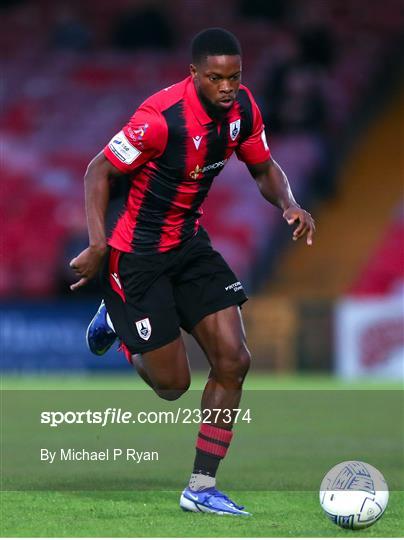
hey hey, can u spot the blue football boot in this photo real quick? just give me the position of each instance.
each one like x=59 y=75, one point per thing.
x=100 y=336
x=210 y=501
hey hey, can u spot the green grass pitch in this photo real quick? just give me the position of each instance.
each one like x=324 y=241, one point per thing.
x=155 y=513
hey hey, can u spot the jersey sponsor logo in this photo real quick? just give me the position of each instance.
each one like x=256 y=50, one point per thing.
x=144 y=328
x=216 y=165
x=235 y=129
x=264 y=139
x=122 y=149
x=197 y=141
x=212 y=166
x=234 y=287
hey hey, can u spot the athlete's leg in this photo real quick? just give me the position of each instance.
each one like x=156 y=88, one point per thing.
x=221 y=336
x=165 y=370
x=137 y=362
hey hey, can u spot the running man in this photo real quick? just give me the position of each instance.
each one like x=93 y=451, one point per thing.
x=159 y=272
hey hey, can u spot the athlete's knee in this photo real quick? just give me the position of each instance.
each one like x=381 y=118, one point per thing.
x=242 y=362
x=170 y=394
x=172 y=389
x=232 y=363
x=245 y=361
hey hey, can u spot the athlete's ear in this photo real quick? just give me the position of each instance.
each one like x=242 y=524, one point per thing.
x=193 y=71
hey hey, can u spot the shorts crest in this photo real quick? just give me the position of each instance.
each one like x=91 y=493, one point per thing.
x=144 y=328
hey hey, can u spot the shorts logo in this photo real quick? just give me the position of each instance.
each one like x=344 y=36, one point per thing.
x=234 y=129
x=115 y=277
x=144 y=328
x=234 y=287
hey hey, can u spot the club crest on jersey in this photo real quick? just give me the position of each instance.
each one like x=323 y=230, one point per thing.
x=234 y=129
x=144 y=328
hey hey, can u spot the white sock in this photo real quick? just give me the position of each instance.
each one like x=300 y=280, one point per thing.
x=197 y=482
x=109 y=323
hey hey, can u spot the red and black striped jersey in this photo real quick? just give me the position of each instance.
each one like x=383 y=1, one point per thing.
x=172 y=151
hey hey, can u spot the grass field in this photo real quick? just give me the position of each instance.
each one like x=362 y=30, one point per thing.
x=282 y=504
x=149 y=514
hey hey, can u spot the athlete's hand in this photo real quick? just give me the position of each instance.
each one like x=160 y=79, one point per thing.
x=86 y=265
x=306 y=225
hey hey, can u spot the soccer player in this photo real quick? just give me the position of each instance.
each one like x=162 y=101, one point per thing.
x=158 y=269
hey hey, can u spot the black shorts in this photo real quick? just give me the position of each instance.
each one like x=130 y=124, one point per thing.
x=149 y=297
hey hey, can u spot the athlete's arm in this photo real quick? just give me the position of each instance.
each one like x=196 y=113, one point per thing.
x=275 y=188
x=143 y=138
x=96 y=187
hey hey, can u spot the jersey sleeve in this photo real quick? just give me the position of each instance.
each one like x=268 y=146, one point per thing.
x=254 y=149
x=142 y=139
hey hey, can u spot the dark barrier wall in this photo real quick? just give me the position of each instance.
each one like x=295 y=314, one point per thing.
x=51 y=337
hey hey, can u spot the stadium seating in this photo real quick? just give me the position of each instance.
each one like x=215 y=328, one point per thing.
x=354 y=222
x=64 y=99
x=383 y=273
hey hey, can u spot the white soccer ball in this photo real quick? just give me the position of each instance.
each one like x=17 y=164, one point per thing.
x=354 y=494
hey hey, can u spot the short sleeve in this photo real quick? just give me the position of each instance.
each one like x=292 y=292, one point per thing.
x=142 y=139
x=254 y=149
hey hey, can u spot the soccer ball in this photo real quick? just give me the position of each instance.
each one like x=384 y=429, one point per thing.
x=354 y=495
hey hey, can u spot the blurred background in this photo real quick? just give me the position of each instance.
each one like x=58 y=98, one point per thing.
x=327 y=75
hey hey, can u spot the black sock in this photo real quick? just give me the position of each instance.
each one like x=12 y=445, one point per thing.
x=206 y=463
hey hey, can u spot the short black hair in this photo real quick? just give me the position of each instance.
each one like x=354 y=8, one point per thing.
x=214 y=42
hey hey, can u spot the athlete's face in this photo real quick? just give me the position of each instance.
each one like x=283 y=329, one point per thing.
x=217 y=80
